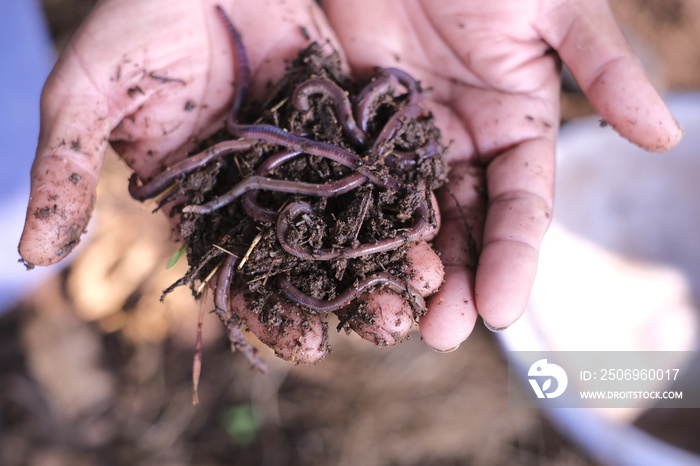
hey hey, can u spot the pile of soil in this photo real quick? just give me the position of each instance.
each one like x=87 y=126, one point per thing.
x=408 y=168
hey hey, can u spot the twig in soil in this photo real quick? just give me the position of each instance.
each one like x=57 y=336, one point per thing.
x=197 y=360
x=246 y=256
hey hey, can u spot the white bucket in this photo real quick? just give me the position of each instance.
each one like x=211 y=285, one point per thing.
x=619 y=270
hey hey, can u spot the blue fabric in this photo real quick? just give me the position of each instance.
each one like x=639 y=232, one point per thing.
x=26 y=57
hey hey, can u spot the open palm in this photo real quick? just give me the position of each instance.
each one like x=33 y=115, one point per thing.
x=493 y=71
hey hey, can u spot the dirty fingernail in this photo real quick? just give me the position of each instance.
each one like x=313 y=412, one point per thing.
x=495 y=329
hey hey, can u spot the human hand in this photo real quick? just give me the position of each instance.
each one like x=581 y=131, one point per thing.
x=495 y=94
x=148 y=79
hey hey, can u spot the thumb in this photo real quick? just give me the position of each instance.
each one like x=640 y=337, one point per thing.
x=589 y=41
x=71 y=147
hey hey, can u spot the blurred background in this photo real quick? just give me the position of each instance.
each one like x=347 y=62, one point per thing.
x=94 y=370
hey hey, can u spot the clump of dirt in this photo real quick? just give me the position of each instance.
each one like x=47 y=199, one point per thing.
x=329 y=182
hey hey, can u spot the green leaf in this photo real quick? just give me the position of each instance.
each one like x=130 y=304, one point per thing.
x=176 y=256
x=242 y=423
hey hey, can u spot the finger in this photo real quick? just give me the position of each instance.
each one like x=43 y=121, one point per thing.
x=452 y=310
x=293 y=334
x=589 y=41
x=520 y=190
x=381 y=317
x=386 y=318
x=64 y=174
x=425 y=269
x=452 y=313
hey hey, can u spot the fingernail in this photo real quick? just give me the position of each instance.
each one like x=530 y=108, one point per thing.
x=495 y=329
x=444 y=351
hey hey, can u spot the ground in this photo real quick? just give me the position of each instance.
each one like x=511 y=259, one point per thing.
x=94 y=370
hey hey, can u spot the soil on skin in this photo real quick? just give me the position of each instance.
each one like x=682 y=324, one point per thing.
x=364 y=215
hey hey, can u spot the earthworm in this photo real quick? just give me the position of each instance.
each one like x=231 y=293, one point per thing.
x=249 y=200
x=409 y=82
x=389 y=281
x=295 y=209
x=276 y=160
x=223 y=284
x=383 y=84
x=412 y=110
x=241 y=63
x=368 y=97
x=391 y=128
x=222 y=294
x=429 y=150
x=164 y=179
x=341 y=105
x=333 y=188
x=405 y=160
x=274 y=135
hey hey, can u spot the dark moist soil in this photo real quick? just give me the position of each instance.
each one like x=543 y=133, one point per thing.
x=364 y=215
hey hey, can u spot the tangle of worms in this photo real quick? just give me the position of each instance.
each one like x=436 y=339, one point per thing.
x=374 y=153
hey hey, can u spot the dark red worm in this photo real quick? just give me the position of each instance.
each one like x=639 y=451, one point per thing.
x=383 y=142
x=222 y=296
x=274 y=135
x=346 y=297
x=412 y=111
x=249 y=201
x=409 y=82
x=295 y=209
x=384 y=83
x=368 y=98
x=241 y=63
x=164 y=179
x=330 y=189
x=341 y=105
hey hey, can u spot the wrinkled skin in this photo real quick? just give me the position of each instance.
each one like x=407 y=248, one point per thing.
x=147 y=75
